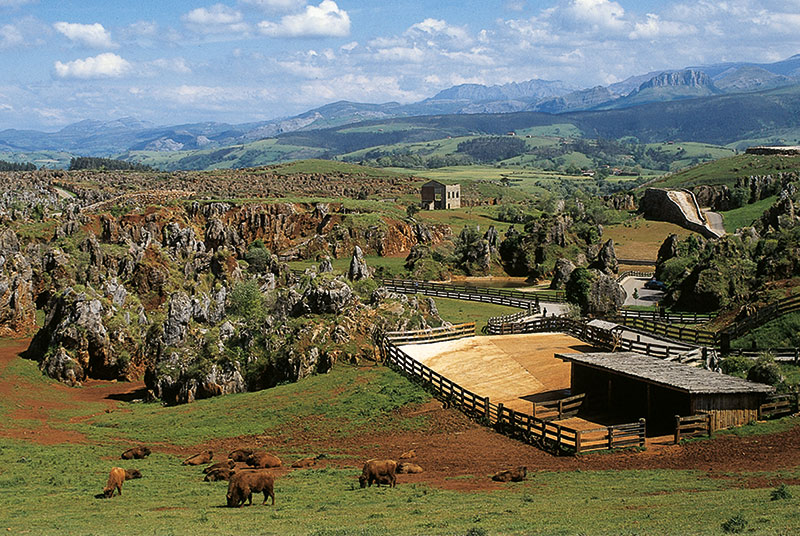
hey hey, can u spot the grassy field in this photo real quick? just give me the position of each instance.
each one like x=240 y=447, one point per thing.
x=640 y=238
x=459 y=311
x=728 y=170
x=746 y=215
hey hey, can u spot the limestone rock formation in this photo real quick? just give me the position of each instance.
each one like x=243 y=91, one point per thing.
x=358 y=266
x=564 y=268
x=606 y=261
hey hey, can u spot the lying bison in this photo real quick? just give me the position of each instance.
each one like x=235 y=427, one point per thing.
x=511 y=475
x=136 y=453
x=116 y=477
x=199 y=459
x=244 y=484
x=263 y=460
x=378 y=471
x=228 y=464
x=240 y=455
x=222 y=473
x=410 y=468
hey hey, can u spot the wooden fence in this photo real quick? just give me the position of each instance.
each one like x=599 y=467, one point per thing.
x=536 y=431
x=761 y=316
x=778 y=406
x=692 y=426
x=680 y=333
x=633 y=273
x=421 y=336
x=559 y=409
x=497 y=296
x=663 y=316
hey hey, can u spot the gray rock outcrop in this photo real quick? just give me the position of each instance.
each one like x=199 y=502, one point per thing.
x=358 y=266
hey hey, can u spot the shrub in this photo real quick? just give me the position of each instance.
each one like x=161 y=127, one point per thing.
x=780 y=493
x=735 y=525
x=765 y=370
x=736 y=365
x=247 y=301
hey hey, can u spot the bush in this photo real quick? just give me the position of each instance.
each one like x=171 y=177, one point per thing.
x=735 y=525
x=780 y=493
x=736 y=365
x=765 y=370
x=578 y=287
x=247 y=301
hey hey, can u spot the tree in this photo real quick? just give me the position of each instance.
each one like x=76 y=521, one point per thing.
x=412 y=209
x=578 y=288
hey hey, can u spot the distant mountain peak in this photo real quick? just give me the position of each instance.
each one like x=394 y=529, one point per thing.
x=686 y=78
x=534 y=89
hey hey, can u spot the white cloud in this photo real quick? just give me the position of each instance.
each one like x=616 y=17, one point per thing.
x=436 y=27
x=349 y=47
x=325 y=20
x=107 y=65
x=10 y=36
x=208 y=97
x=218 y=18
x=173 y=65
x=601 y=14
x=655 y=27
x=515 y=5
x=400 y=54
x=90 y=35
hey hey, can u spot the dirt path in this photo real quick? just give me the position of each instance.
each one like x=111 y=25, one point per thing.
x=35 y=405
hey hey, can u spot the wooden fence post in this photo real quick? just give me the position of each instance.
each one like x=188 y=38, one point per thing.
x=642 y=432
x=500 y=414
x=677 y=429
x=610 y=438
x=487 y=414
x=577 y=442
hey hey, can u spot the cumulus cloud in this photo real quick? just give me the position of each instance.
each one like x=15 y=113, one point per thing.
x=325 y=20
x=654 y=27
x=436 y=27
x=106 y=65
x=218 y=18
x=400 y=54
x=90 y=35
x=600 y=14
x=10 y=36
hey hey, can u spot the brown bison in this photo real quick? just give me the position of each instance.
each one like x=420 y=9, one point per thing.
x=378 y=471
x=222 y=473
x=307 y=462
x=240 y=455
x=130 y=474
x=409 y=468
x=136 y=453
x=228 y=464
x=263 y=460
x=244 y=484
x=199 y=459
x=408 y=455
x=511 y=475
x=115 y=479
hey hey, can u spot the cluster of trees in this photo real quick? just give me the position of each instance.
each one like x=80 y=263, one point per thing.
x=13 y=166
x=406 y=159
x=109 y=164
x=492 y=149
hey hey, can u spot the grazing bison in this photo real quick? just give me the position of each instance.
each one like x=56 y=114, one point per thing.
x=378 y=471
x=221 y=473
x=244 y=484
x=263 y=460
x=228 y=464
x=408 y=455
x=511 y=475
x=136 y=453
x=240 y=455
x=409 y=468
x=115 y=479
x=199 y=459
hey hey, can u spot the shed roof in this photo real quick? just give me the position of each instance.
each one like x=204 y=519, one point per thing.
x=668 y=374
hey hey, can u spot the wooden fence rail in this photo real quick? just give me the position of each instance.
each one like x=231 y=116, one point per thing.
x=514 y=298
x=666 y=317
x=692 y=426
x=680 y=333
x=543 y=433
x=457 y=331
x=778 y=406
x=559 y=409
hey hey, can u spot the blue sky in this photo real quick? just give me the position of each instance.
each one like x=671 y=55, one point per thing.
x=174 y=61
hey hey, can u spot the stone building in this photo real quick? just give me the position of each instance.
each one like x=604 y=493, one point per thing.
x=438 y=196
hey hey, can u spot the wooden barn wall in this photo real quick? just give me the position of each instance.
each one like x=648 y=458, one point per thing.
x=728 y=409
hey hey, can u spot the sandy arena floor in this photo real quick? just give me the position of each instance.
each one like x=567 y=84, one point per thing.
x=516 y=370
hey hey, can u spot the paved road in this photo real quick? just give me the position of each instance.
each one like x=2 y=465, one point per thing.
x=714 y=220
x=646 y=296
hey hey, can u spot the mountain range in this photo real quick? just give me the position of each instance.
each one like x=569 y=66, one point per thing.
x=126 y=135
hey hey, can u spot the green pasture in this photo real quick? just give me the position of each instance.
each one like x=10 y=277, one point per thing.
x=728 y=170
x=746 y=215
x=52 y=490
x=460 y=311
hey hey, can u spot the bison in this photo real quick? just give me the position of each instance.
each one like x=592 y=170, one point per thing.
x=263 y=460
x=130 y=474
x=378 y=471
x=221 y=473
x=307 y=462
x=136 y=453
x=511 y=475
x=199 y=459
x=409 y=468
x=228 y=464
x=408 y=455
x=115 y=479
x=242 y=486
x=240 y=455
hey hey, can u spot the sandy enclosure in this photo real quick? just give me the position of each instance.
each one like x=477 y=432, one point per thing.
x=513 y=369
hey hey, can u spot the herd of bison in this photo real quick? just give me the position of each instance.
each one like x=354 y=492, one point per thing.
x=247 y=472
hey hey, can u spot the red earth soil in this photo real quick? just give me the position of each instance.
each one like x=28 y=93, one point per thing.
x=455 y=452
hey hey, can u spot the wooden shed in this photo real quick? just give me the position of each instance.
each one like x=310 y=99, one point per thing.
x=632 y=385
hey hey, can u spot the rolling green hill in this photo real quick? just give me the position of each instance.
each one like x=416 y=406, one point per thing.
x=727 y=170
